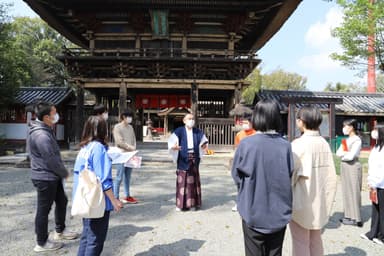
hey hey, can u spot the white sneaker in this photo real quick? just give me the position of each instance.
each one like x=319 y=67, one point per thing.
x=65 y=235
x=364 y=236
x=378 y=241
x=178 y=209
x=234 y=208
x=48 y=246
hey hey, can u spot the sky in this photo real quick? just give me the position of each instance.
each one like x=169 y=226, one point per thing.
x=302 y=45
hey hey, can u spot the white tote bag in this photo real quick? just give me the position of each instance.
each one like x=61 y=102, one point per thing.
x=89 y=201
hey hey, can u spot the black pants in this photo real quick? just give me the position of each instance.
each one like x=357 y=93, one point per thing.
x=47 y=193
x=259 y=244
x=377 y=222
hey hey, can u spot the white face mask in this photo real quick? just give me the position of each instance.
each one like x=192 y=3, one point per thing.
x=56 y=118
x=105 y=116
x=246 y=127
x=375 y=134
x=129 y=120
x=190 y=123
x=345 y=130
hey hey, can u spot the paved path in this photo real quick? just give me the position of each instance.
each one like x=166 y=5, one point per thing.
x=153 y=227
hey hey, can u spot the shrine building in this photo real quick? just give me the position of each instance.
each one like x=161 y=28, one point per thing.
x=164 y=57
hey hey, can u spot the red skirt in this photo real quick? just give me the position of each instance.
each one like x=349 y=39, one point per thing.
x=188 y=186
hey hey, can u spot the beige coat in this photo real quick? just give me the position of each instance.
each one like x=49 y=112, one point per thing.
x=124 y=136
x=314 y=180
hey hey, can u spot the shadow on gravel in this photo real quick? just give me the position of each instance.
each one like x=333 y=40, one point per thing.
x=179 y=248
x=15 y=181
x=334 y=221
x=125 y=231
x=348 y=251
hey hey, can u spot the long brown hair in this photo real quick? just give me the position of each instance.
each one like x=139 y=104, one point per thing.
x=95 y=128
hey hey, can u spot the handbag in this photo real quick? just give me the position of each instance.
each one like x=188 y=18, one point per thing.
x=89 y=200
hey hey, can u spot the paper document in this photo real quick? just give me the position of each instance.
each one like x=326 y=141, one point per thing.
x=118 y=156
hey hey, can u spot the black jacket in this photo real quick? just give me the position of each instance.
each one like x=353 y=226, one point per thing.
x=44 y=153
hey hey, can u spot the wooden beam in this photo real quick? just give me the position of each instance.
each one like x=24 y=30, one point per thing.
x=122 y=97
x=79 y=111
x=164 y=81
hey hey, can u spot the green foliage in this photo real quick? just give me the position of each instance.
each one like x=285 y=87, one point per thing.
x=340 y=87
x=380 y=83
x=282 y=80
x=41 y=44
x=255 y=84
x=361 y=19
x=276 y=80
x=11 y=68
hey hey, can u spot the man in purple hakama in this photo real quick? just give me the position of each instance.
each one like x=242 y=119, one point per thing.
x=187 y=145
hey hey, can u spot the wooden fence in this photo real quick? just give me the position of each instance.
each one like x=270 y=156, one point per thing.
x=219 y=131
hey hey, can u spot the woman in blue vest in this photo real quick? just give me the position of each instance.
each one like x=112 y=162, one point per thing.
x=186 y=146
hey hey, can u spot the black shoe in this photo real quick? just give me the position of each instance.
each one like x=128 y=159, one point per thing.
x=359 y=224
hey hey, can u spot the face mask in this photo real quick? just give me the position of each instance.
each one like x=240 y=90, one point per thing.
x=105 y=116
x=190 y=123
x=129 y=120
x=245 y=127
x=375 y=134
x=56 y=118
x=345 y=130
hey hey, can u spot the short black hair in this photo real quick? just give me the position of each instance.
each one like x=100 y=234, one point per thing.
x=310 y=116
x=351 y=122
x=266 y=116
x=99 y=109
x=42 y=108
x=247 y=117
x=380 y=138
x=126 y=113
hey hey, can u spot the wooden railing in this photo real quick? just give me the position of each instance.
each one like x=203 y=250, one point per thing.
x=219 y=131
x=163 y=53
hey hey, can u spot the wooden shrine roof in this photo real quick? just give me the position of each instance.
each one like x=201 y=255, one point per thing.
x=367 y=104
x=254 y=21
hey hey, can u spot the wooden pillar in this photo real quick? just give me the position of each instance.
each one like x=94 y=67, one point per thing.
x=79 y=111
x=122 y=97
x=332 y=126
x=231 y=44
x=238 y=92
x=91 y=40
x=184 y=46
x=194 y=100
x=291 y=122
x=137 y=45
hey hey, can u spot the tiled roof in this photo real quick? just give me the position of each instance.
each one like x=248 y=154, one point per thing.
x=55 y=95
x=353 y=103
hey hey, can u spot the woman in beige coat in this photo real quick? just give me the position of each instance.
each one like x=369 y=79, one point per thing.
x=314 y=185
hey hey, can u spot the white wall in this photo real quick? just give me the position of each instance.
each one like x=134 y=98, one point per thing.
x=13 y=131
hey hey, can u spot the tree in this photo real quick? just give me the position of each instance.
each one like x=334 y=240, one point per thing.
x=12 y=74
x=276 y=80
x=255 y=84
x=41 y=44
x=362 y=18
x=380 y=83
x=340 y=87
x=282 y=80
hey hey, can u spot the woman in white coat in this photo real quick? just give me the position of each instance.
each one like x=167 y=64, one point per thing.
x=376 y=185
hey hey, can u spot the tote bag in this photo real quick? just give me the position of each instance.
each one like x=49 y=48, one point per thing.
x=89 y=201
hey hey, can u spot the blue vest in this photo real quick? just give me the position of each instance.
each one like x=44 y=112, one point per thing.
x=182 y=160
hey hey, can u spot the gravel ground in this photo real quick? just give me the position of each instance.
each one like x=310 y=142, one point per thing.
x=153 y=227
